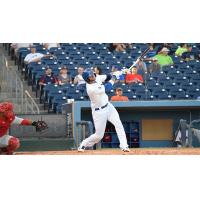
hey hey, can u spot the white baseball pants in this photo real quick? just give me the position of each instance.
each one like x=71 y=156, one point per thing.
x=100 y=118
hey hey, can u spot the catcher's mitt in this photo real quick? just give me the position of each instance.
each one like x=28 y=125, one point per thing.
x=40 y=125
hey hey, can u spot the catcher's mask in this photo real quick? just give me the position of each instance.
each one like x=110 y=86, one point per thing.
x=6 y=109
x=87 y=73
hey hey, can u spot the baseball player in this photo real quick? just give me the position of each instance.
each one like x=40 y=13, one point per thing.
x=102 y=111
x=9 y=144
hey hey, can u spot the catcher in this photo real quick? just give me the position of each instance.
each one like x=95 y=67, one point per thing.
x=9 y=144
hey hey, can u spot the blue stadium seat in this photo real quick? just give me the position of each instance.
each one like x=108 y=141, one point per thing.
x=195 y=80
x=192 y=75
x=81 y=87
x=186 y=85
x=137 y=86
x=158 y=75
x=158 y=91
x=181 y=80
x=146 y=95
x=153 y=85
x=176 y=91
x=164 y=81
x=174 y=74
x=76 y=96
x=57 y=101
x=171 y=85
x=194 y=92
x=181 y=96
x=47 y=61
x=164 y=96
x=168 y=68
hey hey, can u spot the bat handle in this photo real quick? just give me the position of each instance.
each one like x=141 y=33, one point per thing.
x=135 y=63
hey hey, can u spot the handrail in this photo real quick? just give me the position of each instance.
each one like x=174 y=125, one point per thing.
x=27 y=94
x=12 y=84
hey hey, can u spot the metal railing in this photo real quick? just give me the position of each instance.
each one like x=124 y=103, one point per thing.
x=13 y=89
x=30 y=105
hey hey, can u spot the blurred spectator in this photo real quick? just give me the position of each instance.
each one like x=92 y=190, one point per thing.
x=152 y=51
x=133 y=76
x=163 y=57
x=141 y=68
x=184 y=51
x=48 y=78
x=34 y=56
x=119 y=95
x=50 y=45
x=129 y=45
x=154 y=66
x=120 y=47
x=64 y=77
x=181 y=49
x=16 y=46
x=78 y=79
x=118 y=74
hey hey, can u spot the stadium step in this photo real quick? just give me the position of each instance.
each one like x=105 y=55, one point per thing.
x=7 y=96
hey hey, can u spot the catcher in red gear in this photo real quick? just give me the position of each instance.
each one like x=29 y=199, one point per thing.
x=9 y=144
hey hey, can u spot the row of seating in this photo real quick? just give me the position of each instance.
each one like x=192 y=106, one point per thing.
x=179 y=81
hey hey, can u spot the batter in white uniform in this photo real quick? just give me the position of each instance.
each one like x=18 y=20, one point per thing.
x=102 y=111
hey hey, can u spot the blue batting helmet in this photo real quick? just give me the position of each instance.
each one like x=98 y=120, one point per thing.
x=87 y=73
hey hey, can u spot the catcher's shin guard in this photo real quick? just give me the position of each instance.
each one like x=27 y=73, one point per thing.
x=13 y=145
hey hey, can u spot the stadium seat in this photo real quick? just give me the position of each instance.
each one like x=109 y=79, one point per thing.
x=168 y=68
x=186 y=85
x=194 y=92
x=176 y=92
x=164 y=96
x=158 y=75
x=174 y=74
x=181 y=80
x=170 y=86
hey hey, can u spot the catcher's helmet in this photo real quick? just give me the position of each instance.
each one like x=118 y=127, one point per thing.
x=87 y=73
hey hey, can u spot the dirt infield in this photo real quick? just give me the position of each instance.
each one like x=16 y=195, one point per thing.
x=140 y=151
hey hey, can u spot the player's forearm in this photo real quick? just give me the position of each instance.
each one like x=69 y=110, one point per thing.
x=21 y=121
x=26 y=122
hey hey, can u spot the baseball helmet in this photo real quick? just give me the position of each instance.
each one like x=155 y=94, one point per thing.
x=6 y=107
x=87 y=73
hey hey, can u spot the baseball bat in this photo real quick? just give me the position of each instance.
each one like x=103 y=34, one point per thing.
x=139 y=58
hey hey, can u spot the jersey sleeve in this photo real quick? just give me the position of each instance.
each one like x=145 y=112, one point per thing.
x=21 y=121
x=17 y=120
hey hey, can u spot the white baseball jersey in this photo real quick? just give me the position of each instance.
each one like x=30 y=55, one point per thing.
x=96 y=92
x=31 y=56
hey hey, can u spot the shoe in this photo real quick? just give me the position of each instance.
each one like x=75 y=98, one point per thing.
x=126 y=149
x=81 y=148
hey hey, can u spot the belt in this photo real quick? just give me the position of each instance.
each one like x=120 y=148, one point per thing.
x=102 y=107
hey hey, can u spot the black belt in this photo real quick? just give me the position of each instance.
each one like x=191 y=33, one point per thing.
x=101 y=107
